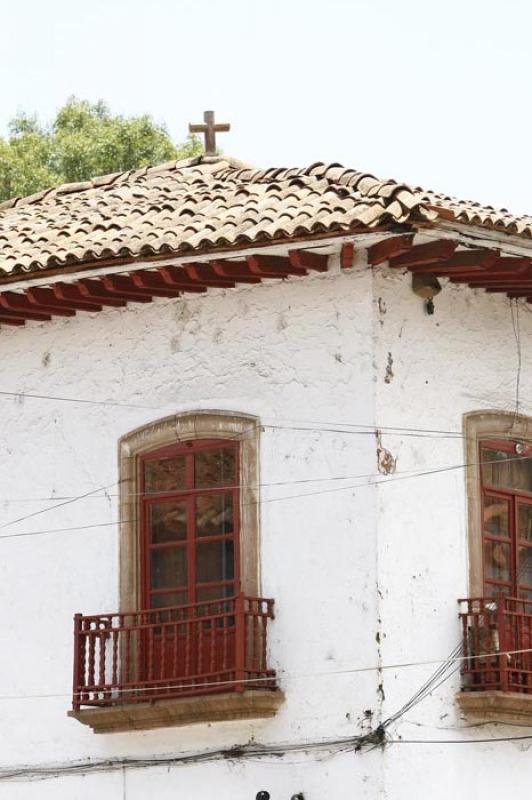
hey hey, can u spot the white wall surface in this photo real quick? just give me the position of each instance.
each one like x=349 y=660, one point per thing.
x=343 y=565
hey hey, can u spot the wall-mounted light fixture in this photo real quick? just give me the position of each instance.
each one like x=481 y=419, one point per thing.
x=427 y=286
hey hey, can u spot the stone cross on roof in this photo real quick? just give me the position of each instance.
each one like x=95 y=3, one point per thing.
x=210 y=129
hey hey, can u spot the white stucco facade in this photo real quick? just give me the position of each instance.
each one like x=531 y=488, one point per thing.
x=365 y=569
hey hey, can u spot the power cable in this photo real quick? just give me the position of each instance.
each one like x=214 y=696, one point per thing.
x=466 y=727
x=238 y=752
x=445 y=670
x=235 y=753
x=462 y=741
x=32 y=396
x=387 y=480
x=300 y=425
x=517 y=336
x=268 y=484
x=65 y=502
x=285 y=676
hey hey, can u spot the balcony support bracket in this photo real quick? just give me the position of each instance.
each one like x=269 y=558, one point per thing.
x=251 y=704
x=496 y=706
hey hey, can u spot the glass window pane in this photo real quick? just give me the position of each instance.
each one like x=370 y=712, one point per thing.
x=507 y=470
x=495 y=590
x=497 y=560
x=214 y=514
x=496 y=516
x=168 y=567
x=167 y=521
x=524 y=566
x=164 y=474
x=169 y=599
x=215 y=592
x=524 y=522
x=215 y=561
x=215 y=468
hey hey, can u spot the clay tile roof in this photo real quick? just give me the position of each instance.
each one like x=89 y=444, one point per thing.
x=209 y=203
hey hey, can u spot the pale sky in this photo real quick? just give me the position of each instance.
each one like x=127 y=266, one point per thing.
x=435 y=93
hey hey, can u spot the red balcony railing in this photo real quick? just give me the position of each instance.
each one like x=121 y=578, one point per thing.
x=497 y=644
x=215 y=646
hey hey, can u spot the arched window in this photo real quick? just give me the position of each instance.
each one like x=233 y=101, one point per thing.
x=499 y=484
x=189 y=510
x=506 y=498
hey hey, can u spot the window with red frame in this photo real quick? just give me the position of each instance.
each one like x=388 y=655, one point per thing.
x=506 y=475
x=189 y=511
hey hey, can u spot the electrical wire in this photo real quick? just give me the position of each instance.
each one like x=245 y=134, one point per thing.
x=288 y=677
x=235 y=753
x=444 y=671
x=261 y=502
x=82 y=400
x=517 y=336
x=238 y=752
x=489 y=740
x=297 y=425
x=268 y=484
x=368 y=742
x=64 y=502
x=466 y=727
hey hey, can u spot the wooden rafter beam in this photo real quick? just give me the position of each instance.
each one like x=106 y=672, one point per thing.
x=237 y=271
x=27 y=303
x=306 y=259
x=347 y=255
x=390 y=248
x=462 y=261
x=7 y=320
x=123 y=287
x=178 y=280
x=154 y=283
x=46 y=298
x=520 y=289
x=272 y=266
x=429 y=253
x=487 y=277
x=483 y=281
x=480 y=268
x=71 y=294
x=204 y=275
x=95 y=291
x=8 y=309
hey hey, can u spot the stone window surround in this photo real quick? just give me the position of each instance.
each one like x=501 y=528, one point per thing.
x=488 y=706
x=479 y=425
x=182 y=427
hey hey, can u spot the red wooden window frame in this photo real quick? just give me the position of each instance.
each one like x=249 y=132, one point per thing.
x=514 y=587
x=228 y=587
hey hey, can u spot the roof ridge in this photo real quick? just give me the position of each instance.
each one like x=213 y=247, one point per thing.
x=113 y=178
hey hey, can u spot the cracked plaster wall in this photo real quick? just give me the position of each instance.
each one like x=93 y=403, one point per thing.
x=361 y=577
x=291 y=352
x=461 y=359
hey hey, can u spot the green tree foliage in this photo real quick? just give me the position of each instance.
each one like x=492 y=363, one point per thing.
x=84 y=140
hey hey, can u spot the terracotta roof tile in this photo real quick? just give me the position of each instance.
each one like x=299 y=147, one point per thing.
x=206 y=203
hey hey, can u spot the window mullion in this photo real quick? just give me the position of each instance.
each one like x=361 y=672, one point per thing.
x=191 y=547
x=514 y=547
